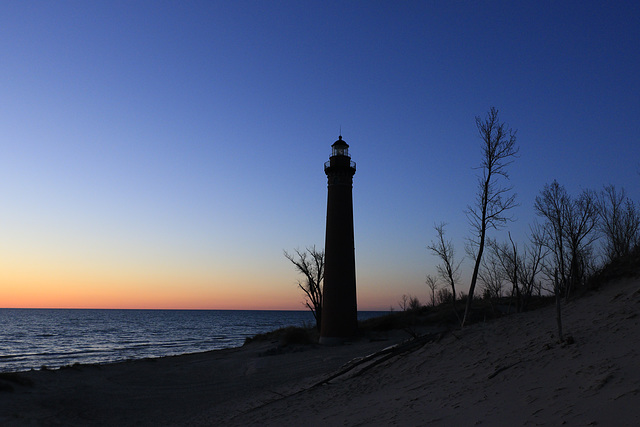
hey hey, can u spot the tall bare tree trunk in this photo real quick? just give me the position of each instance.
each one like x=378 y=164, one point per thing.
x=556 y=289
x=492 y=204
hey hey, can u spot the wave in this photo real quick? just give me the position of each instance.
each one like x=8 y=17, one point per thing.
x=30 y=339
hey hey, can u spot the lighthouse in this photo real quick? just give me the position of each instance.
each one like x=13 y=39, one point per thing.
x=339 y=306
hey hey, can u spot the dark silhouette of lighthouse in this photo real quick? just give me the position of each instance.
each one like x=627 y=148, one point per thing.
x=339 y=306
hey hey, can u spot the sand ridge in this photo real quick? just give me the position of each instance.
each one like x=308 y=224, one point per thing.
x=511 y=371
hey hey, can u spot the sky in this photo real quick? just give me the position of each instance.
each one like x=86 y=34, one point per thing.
x=163 y=154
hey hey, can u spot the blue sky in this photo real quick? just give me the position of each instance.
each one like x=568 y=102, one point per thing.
x=178 y=147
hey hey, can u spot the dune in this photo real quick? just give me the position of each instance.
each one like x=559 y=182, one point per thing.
x=509 y=371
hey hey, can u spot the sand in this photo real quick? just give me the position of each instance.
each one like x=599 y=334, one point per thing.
x=510 y=371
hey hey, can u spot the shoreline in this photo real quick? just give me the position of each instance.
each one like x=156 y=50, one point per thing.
x=509 y=371
x=91 y=340
x=170 y=390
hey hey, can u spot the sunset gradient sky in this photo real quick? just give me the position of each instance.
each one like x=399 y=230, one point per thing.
x=162 y=154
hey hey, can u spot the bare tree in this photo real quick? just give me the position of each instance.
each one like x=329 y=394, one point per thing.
x=619 y=222
x=534 y=255
x=491 y=277
x=444 y=296
x=447 y=269
x=310 y=263
x=569 y=233
x=409 y=303
x=432 y=283
x=510 y=263
x=493 y=200
x=552 y=204
x=414 y=303
x=404 y=302
x=520 y=266
x=580 y=226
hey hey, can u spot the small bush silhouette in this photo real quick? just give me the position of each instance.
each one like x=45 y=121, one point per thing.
x=289 y=335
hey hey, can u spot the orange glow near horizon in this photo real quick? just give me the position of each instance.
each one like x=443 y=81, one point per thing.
x=143 y=297
x=49 y=287
x=85 y=293
x=39 y=282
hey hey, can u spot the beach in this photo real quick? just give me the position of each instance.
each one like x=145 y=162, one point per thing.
x=509 y=371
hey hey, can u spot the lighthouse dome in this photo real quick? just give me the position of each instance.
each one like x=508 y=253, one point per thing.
x=340 y=148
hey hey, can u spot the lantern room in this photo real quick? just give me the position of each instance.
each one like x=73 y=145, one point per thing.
x=340 y=148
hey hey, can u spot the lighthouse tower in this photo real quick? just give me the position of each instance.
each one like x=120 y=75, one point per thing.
x=339 y=307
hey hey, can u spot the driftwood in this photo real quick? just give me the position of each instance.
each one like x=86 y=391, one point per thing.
x=383 y=355
x=375 y=359
x=504 y=368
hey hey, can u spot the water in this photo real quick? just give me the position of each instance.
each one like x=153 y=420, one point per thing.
x=32 y=338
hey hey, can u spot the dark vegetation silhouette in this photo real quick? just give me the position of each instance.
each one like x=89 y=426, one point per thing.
x=448 y=269
x=409 y=302
x=485 y=309
x=577 y=237
x=569 y=232
x=508 y=263
x=579 y=243
x=493 y=199
x=310 y=263
x=433 y=285
x=440 y=317
x=619 y=223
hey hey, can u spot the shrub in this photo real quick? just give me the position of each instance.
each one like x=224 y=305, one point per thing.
x=287 y=336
